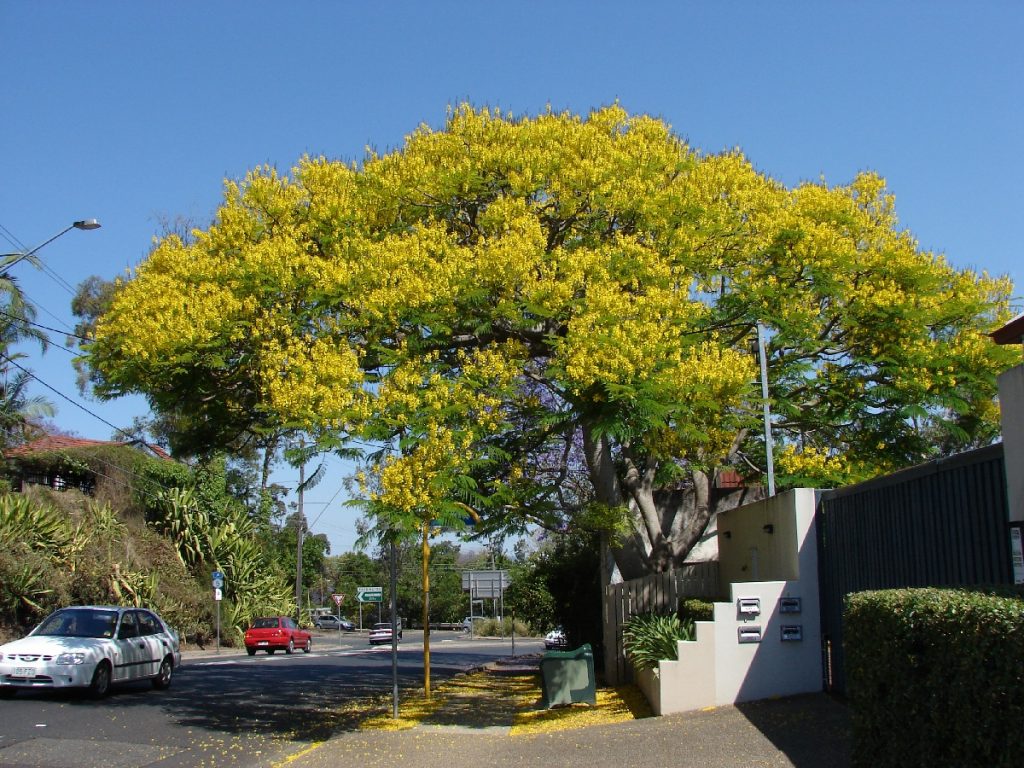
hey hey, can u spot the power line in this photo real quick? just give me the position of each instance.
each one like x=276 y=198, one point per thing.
x=47 y=328
x=65 y=397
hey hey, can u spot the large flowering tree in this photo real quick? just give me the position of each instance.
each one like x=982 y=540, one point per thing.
x=507 y=300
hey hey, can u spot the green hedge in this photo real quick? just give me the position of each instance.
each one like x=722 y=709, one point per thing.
x=693 y=609
x=935 y=678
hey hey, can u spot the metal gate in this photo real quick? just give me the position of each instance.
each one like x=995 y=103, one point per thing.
x=941 y=524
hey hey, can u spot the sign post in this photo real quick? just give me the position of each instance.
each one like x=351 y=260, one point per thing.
x=218 y=586
x=368 y=595
x=338 y=599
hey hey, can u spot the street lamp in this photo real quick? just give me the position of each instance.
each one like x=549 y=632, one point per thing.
x=84 y=224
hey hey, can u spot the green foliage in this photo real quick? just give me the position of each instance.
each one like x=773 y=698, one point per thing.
x=121 y=475
x=935 y=677
x=503 y=628
x=150 y=536
x=26 y=526
x=651 y=637
x=529 y=599
x=50 y=558
x=570 y=565
x=484 y=298
x=693 y=609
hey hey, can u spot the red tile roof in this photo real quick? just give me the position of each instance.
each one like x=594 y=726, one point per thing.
x=64 y=442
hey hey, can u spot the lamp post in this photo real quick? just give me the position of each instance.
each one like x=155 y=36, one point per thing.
x=84 y=224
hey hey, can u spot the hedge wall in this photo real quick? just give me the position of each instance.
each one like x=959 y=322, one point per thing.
x=935 y=678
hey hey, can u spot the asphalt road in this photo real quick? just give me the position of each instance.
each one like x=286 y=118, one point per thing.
x=226 y=708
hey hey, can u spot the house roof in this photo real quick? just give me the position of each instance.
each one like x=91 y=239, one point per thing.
x=1011 y=333
x=50 y=443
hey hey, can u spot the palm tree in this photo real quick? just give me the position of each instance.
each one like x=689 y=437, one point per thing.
x=19 y=411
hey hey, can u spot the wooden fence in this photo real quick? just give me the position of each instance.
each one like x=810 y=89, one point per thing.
x=658 y=592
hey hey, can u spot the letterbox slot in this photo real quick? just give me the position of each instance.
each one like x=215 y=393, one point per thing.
x=789 y=605
x=748 y=606
x=749 y=634
x=792 y=633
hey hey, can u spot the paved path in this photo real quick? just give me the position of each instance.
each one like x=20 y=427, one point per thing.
x=801 y=732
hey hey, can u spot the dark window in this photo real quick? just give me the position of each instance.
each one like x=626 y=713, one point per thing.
x=129 y=626
x=148 y=625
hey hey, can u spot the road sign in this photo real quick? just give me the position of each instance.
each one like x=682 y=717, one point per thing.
x=485 y=584
x=370 y=594
x=217 y=595
x=337 y=599
x=218 y=580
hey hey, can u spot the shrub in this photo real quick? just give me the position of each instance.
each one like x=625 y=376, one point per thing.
x=495 y=628
x=694 y=609
x=651 y=637
x=935 y=677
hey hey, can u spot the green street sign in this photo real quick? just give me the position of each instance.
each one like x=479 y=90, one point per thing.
x=370 y=594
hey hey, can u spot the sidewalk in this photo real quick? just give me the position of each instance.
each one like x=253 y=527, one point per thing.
x=491 y=718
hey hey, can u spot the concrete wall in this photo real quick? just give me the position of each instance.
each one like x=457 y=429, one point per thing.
x=1011 y=402
x=777 y=570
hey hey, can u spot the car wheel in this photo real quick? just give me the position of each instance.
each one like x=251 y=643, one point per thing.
x=100 y=685
x=270 y=651
x=291 y=646
x=7 y=691
x=308 y=646
x=163 y=677
x=251 y=651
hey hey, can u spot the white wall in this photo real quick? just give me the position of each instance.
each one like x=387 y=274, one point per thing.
x=716 y=668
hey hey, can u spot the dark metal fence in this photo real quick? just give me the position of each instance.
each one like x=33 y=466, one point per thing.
x=942 y=524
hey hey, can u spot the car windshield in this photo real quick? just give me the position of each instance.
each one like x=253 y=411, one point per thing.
x=265 y=623
x=79 y=622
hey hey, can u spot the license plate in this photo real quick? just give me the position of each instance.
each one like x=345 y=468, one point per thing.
x=24 y=672
x=263 y=642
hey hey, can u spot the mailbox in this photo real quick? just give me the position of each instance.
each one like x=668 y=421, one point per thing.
x=792 y=633
x=748 y=606
x=749 y=634
x=789 y=605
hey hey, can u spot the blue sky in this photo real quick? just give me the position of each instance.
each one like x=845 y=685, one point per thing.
x=135 y=112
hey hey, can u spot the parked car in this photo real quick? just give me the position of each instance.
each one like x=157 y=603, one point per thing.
x=271 y=633
x=555 y=639
x=467 y=623
x=91 y=646
x=334 y=622
x=381 y=633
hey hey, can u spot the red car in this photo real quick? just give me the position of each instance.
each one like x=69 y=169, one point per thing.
x=273 y=632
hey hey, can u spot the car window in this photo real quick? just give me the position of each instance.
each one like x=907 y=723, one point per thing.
x=289 y=624
x=148 y=625
x=129 y=626
x=79 y=622
x=270 y=623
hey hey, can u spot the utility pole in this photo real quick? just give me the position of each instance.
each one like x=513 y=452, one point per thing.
x=425 y=554
x=298 y=537
x=394 y=625
x=768 y=443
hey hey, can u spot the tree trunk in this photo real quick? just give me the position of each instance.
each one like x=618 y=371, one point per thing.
x=668 y=524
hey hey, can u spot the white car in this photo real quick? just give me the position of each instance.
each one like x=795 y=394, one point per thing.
x=381 y=633
x=555 y=639
x=91 y=647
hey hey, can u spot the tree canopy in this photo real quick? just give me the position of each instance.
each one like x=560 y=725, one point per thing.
x=553 y=319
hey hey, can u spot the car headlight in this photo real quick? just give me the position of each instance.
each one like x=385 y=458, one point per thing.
x=70 y=658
